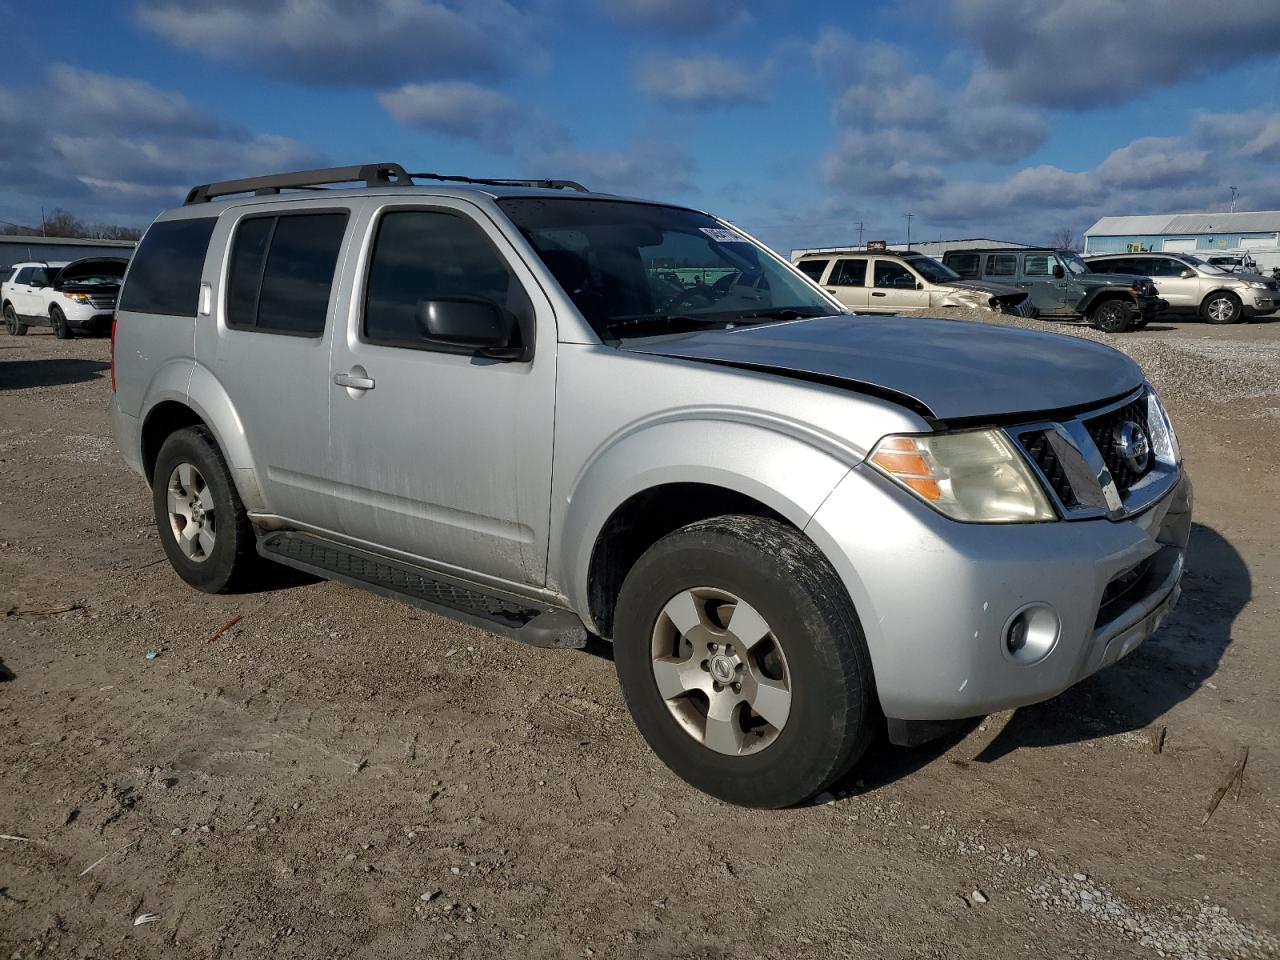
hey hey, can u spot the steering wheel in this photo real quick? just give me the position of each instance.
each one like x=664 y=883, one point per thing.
x=708 y=296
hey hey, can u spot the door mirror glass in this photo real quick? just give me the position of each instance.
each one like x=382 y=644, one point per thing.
x=1187 y=274
x=468 y=324
x=1059 y=271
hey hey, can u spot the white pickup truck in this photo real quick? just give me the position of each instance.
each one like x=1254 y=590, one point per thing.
x=79 y=296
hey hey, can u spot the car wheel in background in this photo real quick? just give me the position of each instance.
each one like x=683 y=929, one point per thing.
x=203 y=526
x=12 y=324
x=1221 y=307
x=743 y=663
x=61 y=329
x=1111 y=316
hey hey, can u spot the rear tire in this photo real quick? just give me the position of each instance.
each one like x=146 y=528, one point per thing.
x=799 y=707
x=12 y=324
x=203 y=526
x=61 y=329
x=1112 y=316
x=1221 y=308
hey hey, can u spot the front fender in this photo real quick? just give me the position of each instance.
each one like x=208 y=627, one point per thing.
x=1088 y=301
x=789 y=475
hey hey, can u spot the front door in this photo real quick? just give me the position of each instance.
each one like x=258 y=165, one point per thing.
x=1046 y=290
x=1183 y=293
x=896 y=289
x=848 y=282
x=443 y=454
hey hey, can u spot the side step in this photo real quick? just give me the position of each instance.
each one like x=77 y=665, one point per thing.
x=503 y=613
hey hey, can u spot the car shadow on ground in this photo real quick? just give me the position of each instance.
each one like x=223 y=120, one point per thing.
x=5 y=673
x=21 y=374
x=1129 y=696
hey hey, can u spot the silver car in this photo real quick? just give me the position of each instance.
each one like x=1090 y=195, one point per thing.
x=558 y=414
x=1192 y=286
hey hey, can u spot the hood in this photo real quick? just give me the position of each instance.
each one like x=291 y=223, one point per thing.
x=89 y=267
x=984 y=286
x=944 y=369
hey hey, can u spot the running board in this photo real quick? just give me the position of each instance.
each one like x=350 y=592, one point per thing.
x=504 y=613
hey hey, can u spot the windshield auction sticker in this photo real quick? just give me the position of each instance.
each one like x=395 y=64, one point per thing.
x=720 y=235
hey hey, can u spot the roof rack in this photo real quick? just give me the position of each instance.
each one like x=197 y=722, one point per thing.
x=371 y=174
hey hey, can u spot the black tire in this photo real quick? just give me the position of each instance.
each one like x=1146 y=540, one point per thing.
x=1221 y=307
x=61 y=329
x=233 y=560
x=834 y=711
x=12 y=324
x=1139 y=324
x=1112 y=316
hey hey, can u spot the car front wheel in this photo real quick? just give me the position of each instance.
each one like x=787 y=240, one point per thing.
x=61 y=329
x=1221 y=308
x=742 y=661
x=1111 y=316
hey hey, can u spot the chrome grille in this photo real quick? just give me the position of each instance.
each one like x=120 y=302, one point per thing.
x=102 y=303
x=1102 y=429
x=1036 y=443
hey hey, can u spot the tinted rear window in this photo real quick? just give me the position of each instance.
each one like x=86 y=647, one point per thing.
x=965 y=264
x=282 y=272
x=849 y=273
x=165 y=275
x=1002 y=265
x=812 y=268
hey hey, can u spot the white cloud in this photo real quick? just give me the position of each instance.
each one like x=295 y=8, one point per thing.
x=697 y=82
x=456 y=108
x=1253 y=133
x=649 y=168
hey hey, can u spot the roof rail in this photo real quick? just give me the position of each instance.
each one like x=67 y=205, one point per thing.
x=543 y=184
x=373 y=175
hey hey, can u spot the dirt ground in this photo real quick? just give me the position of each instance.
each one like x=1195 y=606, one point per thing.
x=339 y=775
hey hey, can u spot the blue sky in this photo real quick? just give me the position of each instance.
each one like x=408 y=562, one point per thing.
x=1006 y=118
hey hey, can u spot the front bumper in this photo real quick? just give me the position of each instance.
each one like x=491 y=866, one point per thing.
x=1150 y=307
x=935 y=597
x=1260 y=306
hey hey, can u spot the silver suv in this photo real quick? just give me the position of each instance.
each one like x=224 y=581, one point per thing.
x=554 y=413
x=1193 y=286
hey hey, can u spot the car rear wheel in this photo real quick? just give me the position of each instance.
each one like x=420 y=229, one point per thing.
x=1221 y=307
x=203 y=526
x=61 y=329
x=12 y=324
x=1111 y=316
x=742 y=661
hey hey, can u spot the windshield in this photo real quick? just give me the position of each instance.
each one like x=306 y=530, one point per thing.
x=932 y=270
x=1204 y=265
x=1073 y=263
x=638 y=269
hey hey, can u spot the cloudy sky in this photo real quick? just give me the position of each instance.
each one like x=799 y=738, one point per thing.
x=1005 y=118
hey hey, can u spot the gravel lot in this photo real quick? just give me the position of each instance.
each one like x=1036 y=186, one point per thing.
x=341 y=775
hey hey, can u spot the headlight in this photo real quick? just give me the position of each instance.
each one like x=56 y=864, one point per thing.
x=77 y=297
x=1257 y=285
x=975 y=476
x=1163 y=440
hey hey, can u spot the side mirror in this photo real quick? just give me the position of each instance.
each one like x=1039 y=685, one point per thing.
x=919 y=285
x=1187 y=274
x=1058 y=271
x=469 y=325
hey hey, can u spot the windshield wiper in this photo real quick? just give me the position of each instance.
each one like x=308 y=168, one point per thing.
x=783 y=313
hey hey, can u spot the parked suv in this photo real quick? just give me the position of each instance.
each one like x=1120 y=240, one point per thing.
x=1191 y=286
x=889 y=282
x=554 y=413
x=70 y=297
x=1061 y=285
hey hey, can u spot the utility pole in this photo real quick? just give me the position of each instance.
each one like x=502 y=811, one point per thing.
x=44 y=228
x=909 y=216
x=859 y=233
x=1234 y=191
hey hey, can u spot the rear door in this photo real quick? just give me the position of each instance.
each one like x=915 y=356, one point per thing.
x=848 y=282
x=278 y=299
x=896 y=288
x=443 y=455
x=19 y=291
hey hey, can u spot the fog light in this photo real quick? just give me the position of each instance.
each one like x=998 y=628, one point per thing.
x=1031 y=633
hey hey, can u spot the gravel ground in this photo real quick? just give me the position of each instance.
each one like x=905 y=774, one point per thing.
x=341 y=775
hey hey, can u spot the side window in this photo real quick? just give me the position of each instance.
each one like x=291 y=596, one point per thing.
x=424 y=255
x=39 y=275
x=890 y=273
x=965 y=264
x=23 y=275
x=1037 y=265
x=1002 y=265
x=1165 y=267
x=165 y=274
x=1112 y=266
x=813 y=269
x=849 y=273
x=281 y=272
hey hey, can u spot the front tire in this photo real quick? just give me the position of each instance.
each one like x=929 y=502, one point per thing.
x=1222 y=308
x=743 y=663
x=12 y=324
x=61 y=329
x=203 y=526
x=1112 y=316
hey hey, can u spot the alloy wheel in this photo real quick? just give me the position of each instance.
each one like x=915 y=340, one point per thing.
x=191 y=512
x=721 y=671
x=1221 y=310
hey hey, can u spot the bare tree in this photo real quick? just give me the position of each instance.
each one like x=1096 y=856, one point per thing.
x=63 y=223
x=1064 y=238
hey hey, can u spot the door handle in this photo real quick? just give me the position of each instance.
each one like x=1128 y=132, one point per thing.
x=877 y=293
x=353 y=381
